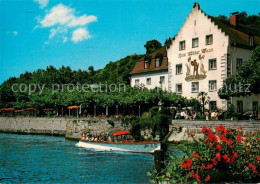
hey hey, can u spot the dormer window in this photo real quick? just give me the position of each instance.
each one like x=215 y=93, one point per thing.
x=146 y=64
x=251 y=41
x=158 y=62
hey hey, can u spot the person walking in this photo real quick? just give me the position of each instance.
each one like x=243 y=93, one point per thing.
x=207 y=115
x=216 y=115
x=212 y=115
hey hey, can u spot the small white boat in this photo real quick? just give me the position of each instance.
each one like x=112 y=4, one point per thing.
x=118 y=143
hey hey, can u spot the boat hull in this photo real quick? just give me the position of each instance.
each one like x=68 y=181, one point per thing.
x=136 y=148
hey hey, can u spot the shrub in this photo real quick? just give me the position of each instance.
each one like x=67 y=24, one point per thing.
x=230 y=112
x=221 y=156
x=156 y=120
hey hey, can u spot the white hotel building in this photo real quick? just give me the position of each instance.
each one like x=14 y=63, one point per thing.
x=205 y=52
x=151 y=72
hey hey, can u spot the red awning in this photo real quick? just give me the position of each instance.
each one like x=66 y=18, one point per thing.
x=121 y=133
x=73 y=107
x=9 y=109
x=48 y=109
x=18 y=111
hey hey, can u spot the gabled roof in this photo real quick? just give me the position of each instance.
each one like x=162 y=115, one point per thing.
x=239 y=35
x=139 y=66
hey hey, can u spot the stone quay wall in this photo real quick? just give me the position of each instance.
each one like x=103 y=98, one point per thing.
x=71 y=128
x=102 y=126
x=180 y=128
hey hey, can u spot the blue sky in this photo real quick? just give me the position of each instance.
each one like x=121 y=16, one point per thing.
x=81 y=33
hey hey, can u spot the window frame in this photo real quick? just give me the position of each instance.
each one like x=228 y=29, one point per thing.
x=180 y=43
x=163 y=80
x=138 y=82
x=198 y=89
x=210 y=81
x=177 y=66
x=206 y=40
x=176 y=88
x=197 y=38
x=160 y=62
x=212 y=107
x=148 y=84
x=210 y=64
x=239 y=59
x=148 y=64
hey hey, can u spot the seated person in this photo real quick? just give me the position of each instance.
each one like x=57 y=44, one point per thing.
x=178 y=115
x=194 y=115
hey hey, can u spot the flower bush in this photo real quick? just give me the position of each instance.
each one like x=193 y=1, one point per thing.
x=223 y=155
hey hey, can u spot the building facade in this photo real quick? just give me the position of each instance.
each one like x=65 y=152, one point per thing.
x=151 y=71
x=205 y=52
x=200 y=57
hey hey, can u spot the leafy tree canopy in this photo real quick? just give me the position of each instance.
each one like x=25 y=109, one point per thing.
x=246 y=81
x=152 y=46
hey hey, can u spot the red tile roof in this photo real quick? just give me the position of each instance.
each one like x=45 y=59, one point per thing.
x=139 y=66
x=239 y=35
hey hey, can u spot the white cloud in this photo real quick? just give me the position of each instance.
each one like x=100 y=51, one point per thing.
x=15 y=33
x=62 y=19
x=43 y=3
x=65 y=16
x=58 y=30
x=80 y=34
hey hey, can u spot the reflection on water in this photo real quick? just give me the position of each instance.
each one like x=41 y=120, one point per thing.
x=35 y=158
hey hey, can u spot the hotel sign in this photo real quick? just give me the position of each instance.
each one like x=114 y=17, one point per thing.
x=191 y=53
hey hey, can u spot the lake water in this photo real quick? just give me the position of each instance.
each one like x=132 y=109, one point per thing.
x=37 y=158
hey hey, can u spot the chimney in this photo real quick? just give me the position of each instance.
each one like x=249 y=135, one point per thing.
x=233 y=19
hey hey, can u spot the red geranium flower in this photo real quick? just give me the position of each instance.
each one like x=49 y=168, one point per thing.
x=226 y=158
x=202 y=167
x=222 y=137
x=235 y=155
x=207 y=178
x=204 y=129
x=239 y=138
x=214 y=161
x=196 y=155
x=229 y=142
x=197 y=177
x=220 y=128
x=209 y=166
x=210 y=146
x=258 y=158
x=211 y=137
x=218 y=156
x=187 y=165
x=219 y=147
x=252 y=167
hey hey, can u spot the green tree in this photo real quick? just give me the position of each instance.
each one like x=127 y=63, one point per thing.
x=204 y=99
x=152 y=46
x=246 y=81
